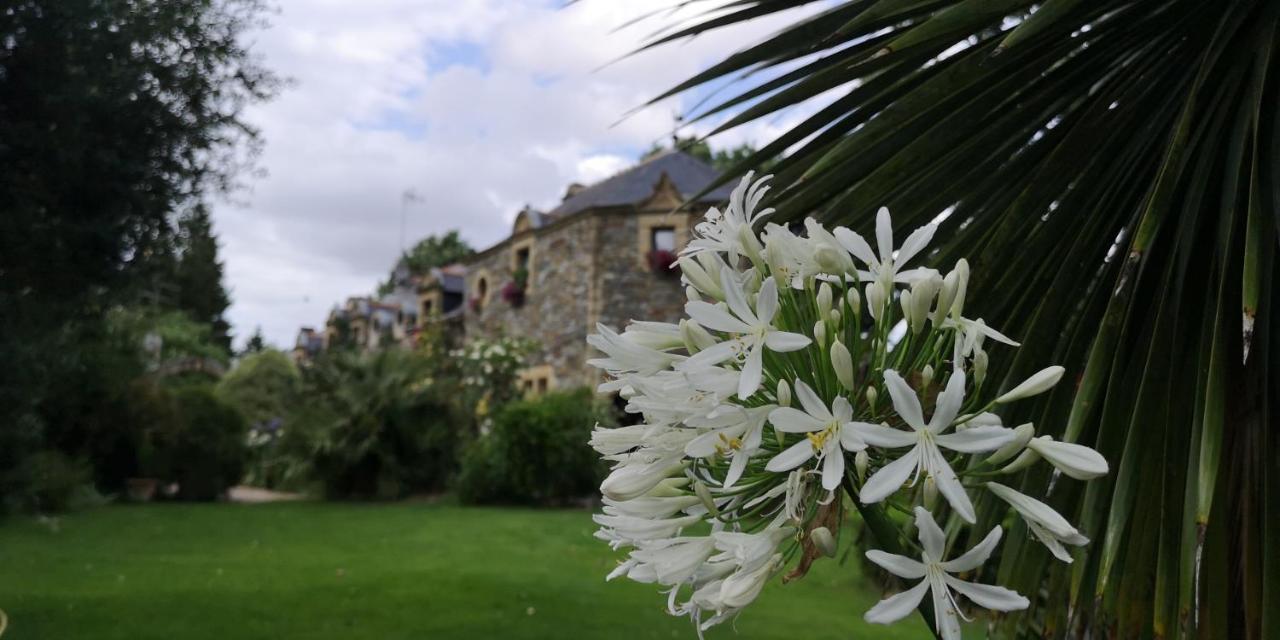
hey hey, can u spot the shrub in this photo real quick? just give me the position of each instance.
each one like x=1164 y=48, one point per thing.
x=537 y=452
x=49 y=482
x=203 y=450
x=263 y=386
x=372 y=426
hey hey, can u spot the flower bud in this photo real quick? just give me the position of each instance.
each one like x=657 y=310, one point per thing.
x=923 y=292
x=1027 y=458
x=741 y=588
x=854 y=300
x=784 y=394
x=926 y=375
x=691 y=294
x=820 y=333
x=632 y=481
x=871 y=396
x=750 y=244
x=876 y=297
x=946 y=296
x=695 y=338
x=904 y=299
x=835 y=317
x=962 y=284
x=669 y=488
x=930 y=493
x=980 y=363
x=1038 y=383
x=704 y=494
x=1021 y=436
x=842 y=362
x=824 y=298
x=860 y=462
x=1074 y=460
x=824 y=541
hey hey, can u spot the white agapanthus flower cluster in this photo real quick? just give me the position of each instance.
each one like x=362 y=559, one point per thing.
x=812 y=367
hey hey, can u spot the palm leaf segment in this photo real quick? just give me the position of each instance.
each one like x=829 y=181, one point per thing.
x=1117 y=162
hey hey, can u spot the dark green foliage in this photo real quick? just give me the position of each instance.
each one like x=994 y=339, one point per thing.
x=263 y=385
x=197 y=278
x=536 y=452
x=114 y=118
x=1111 y=169
x=371 y=427
x=48 y=482
x=203 y=449
x=256 y=343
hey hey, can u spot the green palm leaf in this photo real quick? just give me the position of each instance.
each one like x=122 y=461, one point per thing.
x=1112 y=165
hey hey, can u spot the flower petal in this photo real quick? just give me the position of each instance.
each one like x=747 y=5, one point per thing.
x=988 y=595
x=878 y=435
x=850 y=439
x=713 y=317
x=976 y=439
x=794 y=456
x=752 y=373
x=855 y=244
x=884 y=235
x=897 y=607
x=740 y=459
x=949 y=402
x=784 y=341
x=736 y=297
x=813 y=405
x=914 y=244
x=767 y=301
x=900 y=566
x=973 y=558
x=905 y=401
x=832 y=467
x=949 y=486
x=889 y=478
x=931 y=536
x=794 y=421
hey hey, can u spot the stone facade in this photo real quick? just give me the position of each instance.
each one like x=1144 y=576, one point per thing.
x=585 y=267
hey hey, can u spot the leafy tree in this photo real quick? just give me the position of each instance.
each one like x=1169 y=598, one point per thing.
x=197 y=278
x=256 y=343
x=263 y=385
x=113 y=117
x=430 y=252
x=720 y=159
x=1117 y=162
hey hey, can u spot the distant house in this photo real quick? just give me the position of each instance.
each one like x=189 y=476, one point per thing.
x=603 y=255
x=309 y=344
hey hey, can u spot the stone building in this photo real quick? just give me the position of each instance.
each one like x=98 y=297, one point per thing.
x=601 y=256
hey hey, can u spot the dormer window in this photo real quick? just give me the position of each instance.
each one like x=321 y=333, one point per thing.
x=663 y=239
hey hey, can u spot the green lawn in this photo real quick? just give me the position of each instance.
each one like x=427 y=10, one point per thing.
x=356 y=571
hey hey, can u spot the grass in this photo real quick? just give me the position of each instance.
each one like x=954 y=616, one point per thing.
x=378 y=571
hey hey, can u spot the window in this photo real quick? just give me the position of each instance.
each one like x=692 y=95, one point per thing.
x=663 y=239
x=482 y=293
x=427 y=308
x=522 y=258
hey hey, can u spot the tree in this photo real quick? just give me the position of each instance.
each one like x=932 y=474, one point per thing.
x=429 y=253
x=256 y=343
x=114 y=116
x=720 y=159
x=1116 y=162
x=197 y=278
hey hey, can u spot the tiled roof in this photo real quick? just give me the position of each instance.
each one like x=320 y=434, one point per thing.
x=689 y=175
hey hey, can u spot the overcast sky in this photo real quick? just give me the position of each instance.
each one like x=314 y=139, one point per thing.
x=479 y=106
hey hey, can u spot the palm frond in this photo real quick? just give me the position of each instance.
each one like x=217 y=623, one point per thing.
x=1112 y=165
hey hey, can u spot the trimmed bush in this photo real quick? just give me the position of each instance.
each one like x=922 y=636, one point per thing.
x=536 y=452
x=203 y=450
x=49 y=482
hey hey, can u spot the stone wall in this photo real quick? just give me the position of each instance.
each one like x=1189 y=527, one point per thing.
x=590 y=267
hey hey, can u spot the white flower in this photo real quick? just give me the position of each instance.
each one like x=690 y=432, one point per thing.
x=1047 y=525
x=1075 y=460
x=885 y=268
x=627 y=357
x=755 y=331
x=970 y=335
x=829 y=430
x=924 y=440
x=734 y=431
x=935 y=577
x=660 y=336
x=791 y=259
x=672 y=560
x=724 y=231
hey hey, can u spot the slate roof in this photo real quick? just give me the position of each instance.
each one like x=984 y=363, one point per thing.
x=689 y=175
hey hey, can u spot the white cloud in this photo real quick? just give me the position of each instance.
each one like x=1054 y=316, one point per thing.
x=481 y=106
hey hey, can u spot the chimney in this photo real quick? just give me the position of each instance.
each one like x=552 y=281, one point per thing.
x=573 y=190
